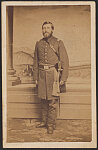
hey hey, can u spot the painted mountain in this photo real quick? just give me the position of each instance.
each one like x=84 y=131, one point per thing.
x=23 y=58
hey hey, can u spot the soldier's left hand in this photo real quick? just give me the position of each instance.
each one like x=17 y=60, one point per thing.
x=62 y=82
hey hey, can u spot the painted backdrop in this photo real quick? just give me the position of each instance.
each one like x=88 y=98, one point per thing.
x=72 y=25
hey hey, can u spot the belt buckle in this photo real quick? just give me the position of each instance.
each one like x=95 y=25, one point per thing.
x=46 y=67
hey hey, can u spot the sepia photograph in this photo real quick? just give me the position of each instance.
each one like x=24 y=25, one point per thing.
x=49 y=74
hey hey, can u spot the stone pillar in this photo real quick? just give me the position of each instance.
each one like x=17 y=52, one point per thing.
x=12 y=78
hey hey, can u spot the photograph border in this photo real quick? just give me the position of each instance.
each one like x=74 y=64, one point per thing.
x=93 y=143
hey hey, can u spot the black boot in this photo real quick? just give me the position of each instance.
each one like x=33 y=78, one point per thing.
x=41 y=125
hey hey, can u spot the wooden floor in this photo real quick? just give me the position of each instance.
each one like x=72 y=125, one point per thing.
x=24 y=130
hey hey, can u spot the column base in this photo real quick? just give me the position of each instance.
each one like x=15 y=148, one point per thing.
x=11 y=71
x=12 y=78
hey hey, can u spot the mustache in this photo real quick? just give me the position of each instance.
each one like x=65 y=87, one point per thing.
x=46 y=32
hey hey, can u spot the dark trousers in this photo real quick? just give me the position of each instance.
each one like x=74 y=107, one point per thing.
x=49 y=111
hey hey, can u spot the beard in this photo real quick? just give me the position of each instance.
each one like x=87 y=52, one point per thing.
x=47 y=34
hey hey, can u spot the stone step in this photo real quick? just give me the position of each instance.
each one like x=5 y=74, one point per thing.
x=22 y=102
x=68 y=97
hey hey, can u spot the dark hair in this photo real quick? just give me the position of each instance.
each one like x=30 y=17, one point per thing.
x=48 y=22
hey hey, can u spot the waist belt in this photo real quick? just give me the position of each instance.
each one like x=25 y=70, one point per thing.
x=45 y=67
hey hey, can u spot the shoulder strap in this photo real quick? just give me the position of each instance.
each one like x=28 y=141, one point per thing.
x=51 y=46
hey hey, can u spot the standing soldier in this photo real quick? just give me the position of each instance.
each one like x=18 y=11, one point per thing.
x=49 y=53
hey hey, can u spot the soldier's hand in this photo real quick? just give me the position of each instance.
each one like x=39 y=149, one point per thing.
x=36 y=82
x=62 y=82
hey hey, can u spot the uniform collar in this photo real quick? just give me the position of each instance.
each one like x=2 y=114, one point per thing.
x=49 y=39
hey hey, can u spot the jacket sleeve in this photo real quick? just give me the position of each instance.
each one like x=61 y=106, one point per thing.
x=64 y=61
x=35 y=63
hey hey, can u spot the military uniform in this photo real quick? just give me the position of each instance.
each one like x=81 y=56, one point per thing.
x=44 y=56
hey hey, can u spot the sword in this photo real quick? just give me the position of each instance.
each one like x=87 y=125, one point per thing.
x=59 y=105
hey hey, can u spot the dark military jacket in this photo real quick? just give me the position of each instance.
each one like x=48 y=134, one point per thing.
x=44 y=54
